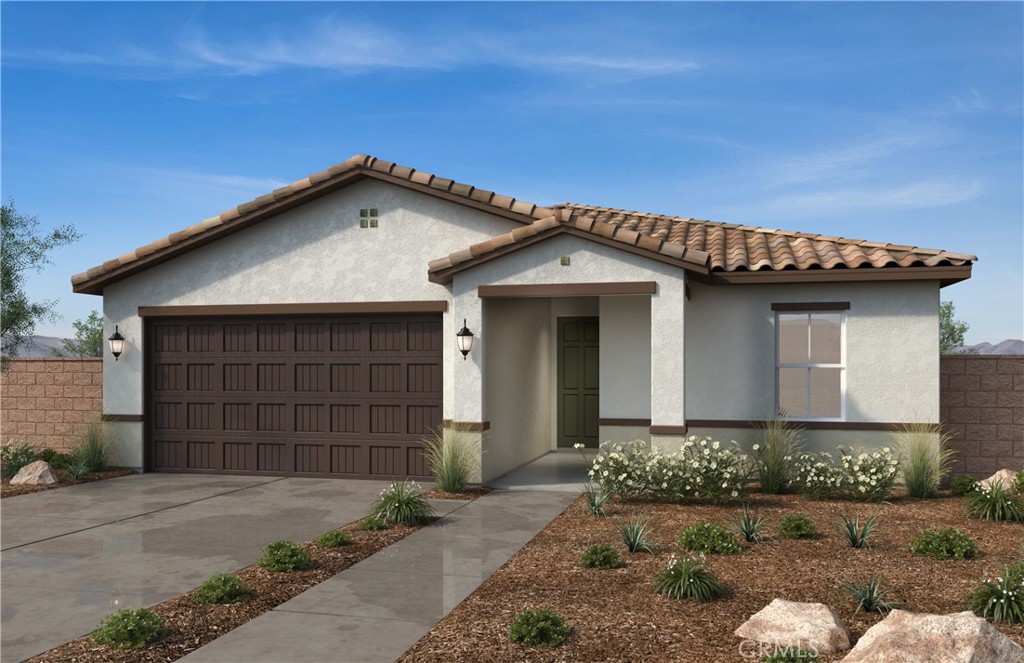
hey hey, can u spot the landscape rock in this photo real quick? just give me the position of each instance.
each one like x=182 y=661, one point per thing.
x=1005 y=475
x=786 y=623
x=907 y=637
x=38 y=473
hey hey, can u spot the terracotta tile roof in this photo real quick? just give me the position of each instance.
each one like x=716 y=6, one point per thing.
x=702 y=246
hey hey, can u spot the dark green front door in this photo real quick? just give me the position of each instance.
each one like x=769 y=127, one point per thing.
x=577 y=381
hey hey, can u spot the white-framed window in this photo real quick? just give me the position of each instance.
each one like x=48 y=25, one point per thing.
x=810 y=363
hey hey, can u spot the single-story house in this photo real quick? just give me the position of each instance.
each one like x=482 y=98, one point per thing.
x=314 y=330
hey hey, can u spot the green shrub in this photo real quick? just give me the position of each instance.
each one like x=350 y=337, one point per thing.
x=371 y=524
x=996 y=503
x=798 y=527
x=61 y=461
x=792 y=654
x=130 y=629
x=222 y=588
x=856 y=533
x=601 y=556
x=46 y=454
x=871 y=597
x=1000 y=599
x=945 y=543
x=634 y=534
x=780 y=443
x=706 y=538
x=964 y=484
x=540 y=628
x=285 y=556
x=75 y=470
x=334 y=539
x=685 y=578
x=925 y=458
x=402 y=502
x=1018 y=483
x=93 y=448
x=451 y=452
x=597 y=497
x=751 y=526
x=15 y=456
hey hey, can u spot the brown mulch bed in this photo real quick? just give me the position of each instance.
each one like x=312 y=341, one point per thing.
x=193 y=625
x=471 y=493
x=616 y=616
x=7 y=490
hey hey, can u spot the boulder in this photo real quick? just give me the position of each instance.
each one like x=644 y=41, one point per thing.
x=38 y=473
x=907 y=637
x=1004 y=475
x=786 y=623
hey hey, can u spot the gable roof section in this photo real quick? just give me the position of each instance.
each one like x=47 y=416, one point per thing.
x=309 y=188
x=710 y=251
x=722 y=252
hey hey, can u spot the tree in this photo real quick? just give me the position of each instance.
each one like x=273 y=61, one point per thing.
x=88 y=340
x=23 y=248
x=951 y=330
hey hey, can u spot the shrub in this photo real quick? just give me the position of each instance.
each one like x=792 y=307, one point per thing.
x=371 y=524
x=285 y=556
x=222 y=588
x=1018 y=483
x=596 y=499
x=926 y=457
x=61 y=461
x=715 y=471
x=334 y=539
x=705 y=538
x=817 y=475
x=1001 y=599
x=620 y=469
x=601 y=556
x=540 y=628
x=750 y=525
x=995 y=503
x=75 y=470
x=856 y=533
x=871 y=597
x=451 y=453
x=130 y=629
x=945 y=543
x=685 y=578
x=402 y=502
x=791 y=654
x=634 y=534
x=869 y=476
x=798 y=527
x=46 y=454
x=15 y=456
x=93 y=449
x=780 y=443
x=964 y=484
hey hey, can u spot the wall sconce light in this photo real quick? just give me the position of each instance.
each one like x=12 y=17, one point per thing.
x=464 y=337
x=116 y=344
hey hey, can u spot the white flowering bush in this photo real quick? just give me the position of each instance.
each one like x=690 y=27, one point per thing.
x=865 y=476
x=817 y=475
x=702 y=468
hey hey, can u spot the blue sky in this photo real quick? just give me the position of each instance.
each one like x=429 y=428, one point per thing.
x=888 y=122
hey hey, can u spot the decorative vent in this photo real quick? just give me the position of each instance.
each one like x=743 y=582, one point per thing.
x=368 y=217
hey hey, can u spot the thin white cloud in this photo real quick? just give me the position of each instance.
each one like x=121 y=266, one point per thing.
x=240 y=186
x=909 y=195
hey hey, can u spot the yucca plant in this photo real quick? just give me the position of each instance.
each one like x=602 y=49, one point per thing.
x=686 y=578
x=634 y=534
x=597 y=497
x=751 y=526
x=1001 y=599
x=451 y=452
x=995 y=503
x=402 y=502
x=780 y=442
x=925 y=457
x=856 y=533
x=871 y=597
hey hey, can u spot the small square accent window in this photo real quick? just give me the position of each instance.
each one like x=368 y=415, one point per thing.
x=373 y=222
x=364 y=212
x=565 y=261
x=364 y=223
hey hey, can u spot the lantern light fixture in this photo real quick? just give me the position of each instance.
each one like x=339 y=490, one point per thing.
x=464 y=337
x=116 y=343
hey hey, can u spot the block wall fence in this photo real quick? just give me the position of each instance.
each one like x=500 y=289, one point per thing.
x=48 y=401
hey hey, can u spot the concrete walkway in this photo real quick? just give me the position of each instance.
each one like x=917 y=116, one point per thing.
x=378 y=608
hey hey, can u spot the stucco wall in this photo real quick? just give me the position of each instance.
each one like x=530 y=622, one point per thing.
x=625 y=356
x=892 y=353
x=518 y=401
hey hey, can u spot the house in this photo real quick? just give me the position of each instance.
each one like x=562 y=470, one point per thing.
x=313 y=330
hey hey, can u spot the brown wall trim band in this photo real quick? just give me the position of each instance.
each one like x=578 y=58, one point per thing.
x=122 y=417
x=669 y=430
x=568 y=289
x=808 y=425
x=426 y=306
x=811 y=306
x=623 y=422
x=475 y=426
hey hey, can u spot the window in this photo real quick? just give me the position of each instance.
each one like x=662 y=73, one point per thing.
x=810 y=380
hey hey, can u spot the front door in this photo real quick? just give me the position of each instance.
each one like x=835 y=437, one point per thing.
x=577 y=381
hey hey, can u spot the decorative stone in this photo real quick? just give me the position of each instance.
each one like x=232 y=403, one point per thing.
x=907 y=637
x=1007 y=477
x=38 y=473
x=788 y=623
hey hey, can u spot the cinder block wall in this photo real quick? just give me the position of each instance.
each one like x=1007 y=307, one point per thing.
x=49 y=401
x=982 y=404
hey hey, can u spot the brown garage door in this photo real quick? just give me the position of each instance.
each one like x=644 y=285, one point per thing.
x=346 y=396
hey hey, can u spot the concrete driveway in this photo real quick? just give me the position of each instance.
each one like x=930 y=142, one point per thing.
x=74 y=555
